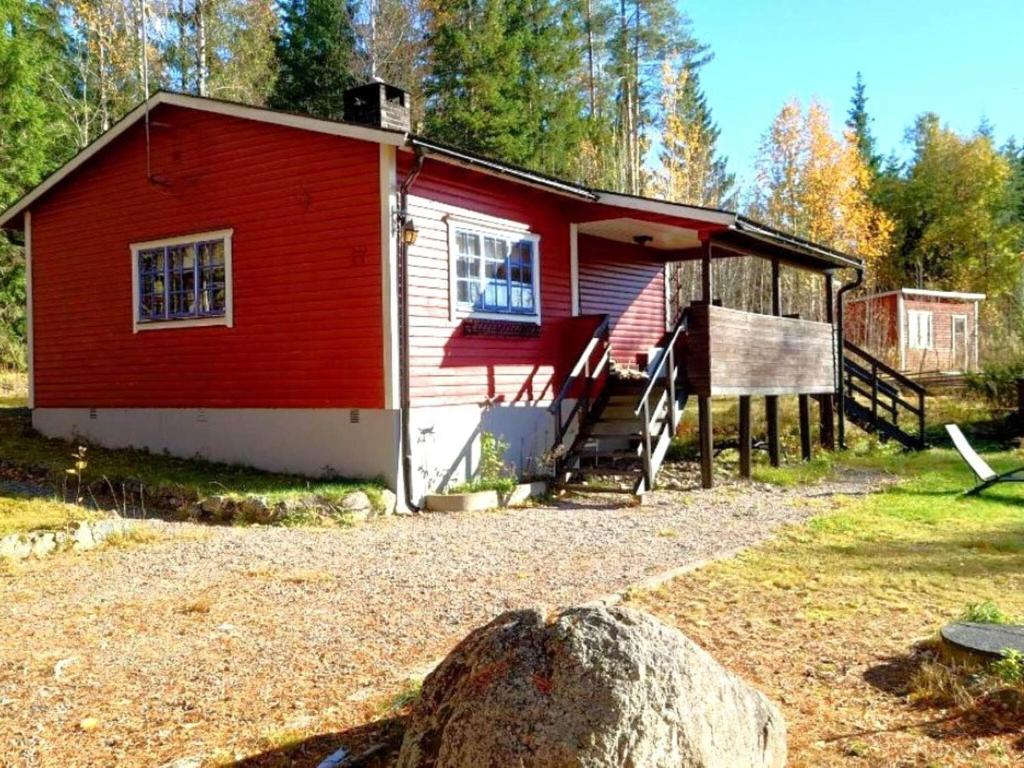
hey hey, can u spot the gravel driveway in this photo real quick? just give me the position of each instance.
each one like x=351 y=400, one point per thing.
x=213 y=643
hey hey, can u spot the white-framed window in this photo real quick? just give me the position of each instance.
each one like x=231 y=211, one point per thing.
x=919 y=329
x=494 y=272
x=182 y=281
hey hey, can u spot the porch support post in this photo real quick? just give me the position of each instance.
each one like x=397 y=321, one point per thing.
x=706 y=284
x=706 y=441
x=771 y=412
x=745 y=436
x=771 y=402
x=827 y=421
x=827 y=403
x=776 y=288
x=805 y=427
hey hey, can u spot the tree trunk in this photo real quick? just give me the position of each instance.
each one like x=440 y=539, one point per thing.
x=202 y=65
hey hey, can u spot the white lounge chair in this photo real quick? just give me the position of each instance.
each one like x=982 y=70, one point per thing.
x=987 y=477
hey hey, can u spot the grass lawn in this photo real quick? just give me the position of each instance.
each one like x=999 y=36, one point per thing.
x=825 y=618
x=21 y=447
x=19 y=515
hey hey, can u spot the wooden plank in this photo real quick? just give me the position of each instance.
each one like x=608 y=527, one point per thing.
x=771 y=412
x=706 y=441
x=805 y=427
x=745 y=437
x=734 y=352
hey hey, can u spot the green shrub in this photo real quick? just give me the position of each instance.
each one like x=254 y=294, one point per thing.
x=985 y=613
x=1010 y=668
x=494 y=474
x=997 y=382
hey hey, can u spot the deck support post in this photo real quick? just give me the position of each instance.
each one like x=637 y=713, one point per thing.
x=745 y=440
x=771 y=412
x=706 y=441
x=805 y=427
x=706 y=283
x=827 y=421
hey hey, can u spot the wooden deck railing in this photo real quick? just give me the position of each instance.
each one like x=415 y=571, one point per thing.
x=658 y=420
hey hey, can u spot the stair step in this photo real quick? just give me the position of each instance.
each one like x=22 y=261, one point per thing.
x=583 y=488
x=608 y=471
x=616 y=429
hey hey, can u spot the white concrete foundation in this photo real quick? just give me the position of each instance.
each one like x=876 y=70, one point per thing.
x=446 y=441
x=356 y=443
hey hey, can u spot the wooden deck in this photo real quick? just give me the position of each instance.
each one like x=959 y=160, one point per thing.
x=730 y=352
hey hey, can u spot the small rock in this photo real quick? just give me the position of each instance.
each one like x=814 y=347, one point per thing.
x=88 y=724
x=82 y=538
x=212 y=505
x=356 y=506
x=256 y=509
x=15 y=547
x=43 y=543
x=388 y=502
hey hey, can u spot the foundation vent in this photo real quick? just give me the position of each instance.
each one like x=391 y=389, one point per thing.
x=92 y=414
x=353 y=416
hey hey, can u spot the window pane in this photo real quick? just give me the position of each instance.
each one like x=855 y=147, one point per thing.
x=212 y=285
x=151 y=284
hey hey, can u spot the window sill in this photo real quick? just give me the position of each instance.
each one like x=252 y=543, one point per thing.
x=199 y=322
x=501 y=327
x=500 y=316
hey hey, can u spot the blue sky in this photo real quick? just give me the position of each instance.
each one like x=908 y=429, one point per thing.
x=961 y=59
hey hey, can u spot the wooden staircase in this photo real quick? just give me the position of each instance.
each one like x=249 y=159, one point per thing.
x=624 y=432
x=881 y=400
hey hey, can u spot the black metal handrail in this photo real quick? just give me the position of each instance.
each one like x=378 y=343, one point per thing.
x=868 y=371
x=587 y=372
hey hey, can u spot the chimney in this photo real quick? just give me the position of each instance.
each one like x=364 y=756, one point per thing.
x=378 y=105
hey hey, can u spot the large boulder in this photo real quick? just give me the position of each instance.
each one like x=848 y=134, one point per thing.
x=594 y=686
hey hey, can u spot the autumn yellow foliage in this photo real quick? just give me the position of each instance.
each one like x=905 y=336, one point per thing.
x=816 y=185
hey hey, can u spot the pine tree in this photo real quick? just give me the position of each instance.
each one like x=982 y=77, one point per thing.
x=691 y=169
x=501 y=81
x=34 y=139
x=859 y=121
x=316 y=54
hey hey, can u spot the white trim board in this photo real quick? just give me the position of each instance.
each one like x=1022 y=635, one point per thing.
x=227 y=319
x=574 y=268
x=389 y=272
x=29 y=330
x=924 y=292
x=228 y=109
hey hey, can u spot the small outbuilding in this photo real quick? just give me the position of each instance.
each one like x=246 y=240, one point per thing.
x=917 y=330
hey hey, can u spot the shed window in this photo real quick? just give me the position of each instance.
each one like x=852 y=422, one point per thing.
x=919 y=327
x=183 y=280
x=495 y=273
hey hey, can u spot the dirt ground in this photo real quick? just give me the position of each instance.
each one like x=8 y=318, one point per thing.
x=268 y=646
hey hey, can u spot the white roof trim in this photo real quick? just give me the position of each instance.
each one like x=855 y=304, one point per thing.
x=205 y=105
x=667 y=208
x=943 y=294
x=963 y=296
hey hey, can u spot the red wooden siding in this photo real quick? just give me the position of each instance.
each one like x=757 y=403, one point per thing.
x=306 y=265
x=941 y=355
x=448 y=367
x=871 y=324
x=627 y=282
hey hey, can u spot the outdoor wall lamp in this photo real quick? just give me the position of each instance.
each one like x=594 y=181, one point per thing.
x=409 y=231
x=642 y=240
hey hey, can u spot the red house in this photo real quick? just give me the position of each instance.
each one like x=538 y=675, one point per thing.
x=918 y=330
x=346 y=297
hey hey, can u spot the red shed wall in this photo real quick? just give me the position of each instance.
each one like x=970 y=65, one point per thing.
x=941 y=356
x=305 y=209
x=628 y=283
